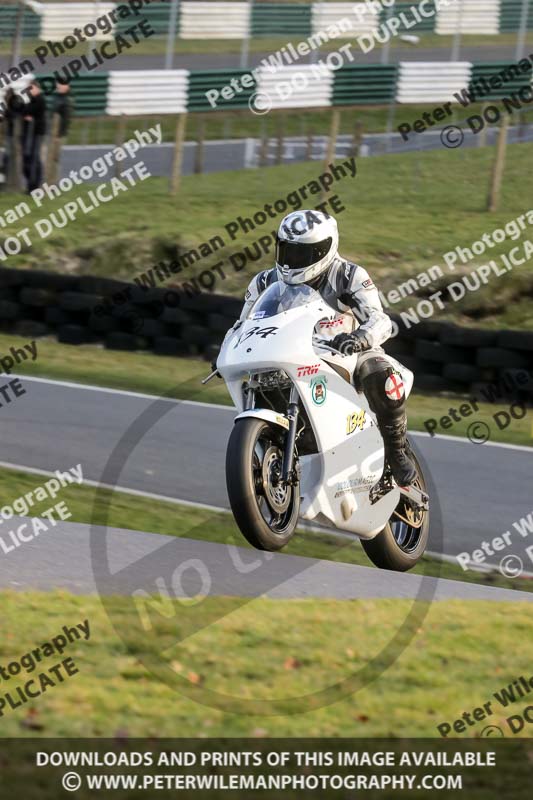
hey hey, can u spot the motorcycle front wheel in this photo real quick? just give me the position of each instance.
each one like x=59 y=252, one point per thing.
x=265 y=510
x=403 y=540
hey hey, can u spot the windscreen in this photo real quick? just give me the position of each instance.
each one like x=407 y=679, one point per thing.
x=281 y=297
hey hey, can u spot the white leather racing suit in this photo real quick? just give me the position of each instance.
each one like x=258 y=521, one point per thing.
x=350 y=291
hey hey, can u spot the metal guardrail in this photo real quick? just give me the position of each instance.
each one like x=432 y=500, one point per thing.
x=362 y=84
x=241 y=19
x=307 y=86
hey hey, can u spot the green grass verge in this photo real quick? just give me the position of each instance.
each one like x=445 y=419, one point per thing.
x=127 y=511
x=462 y=653
x=238 y=125
x=180 y=378
x=402 y=214
x=221 y=124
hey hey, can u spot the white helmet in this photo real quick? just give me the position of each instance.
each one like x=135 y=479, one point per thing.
x=306 y=245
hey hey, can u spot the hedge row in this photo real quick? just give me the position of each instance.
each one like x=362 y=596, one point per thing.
x=167 y=321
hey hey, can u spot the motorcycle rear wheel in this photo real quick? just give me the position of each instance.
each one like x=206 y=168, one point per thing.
x=399 y=546
x=265 y=511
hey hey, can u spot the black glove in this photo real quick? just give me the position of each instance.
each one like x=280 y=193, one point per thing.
x=349 y=343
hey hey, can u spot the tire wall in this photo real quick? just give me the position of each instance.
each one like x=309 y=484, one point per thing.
x=166 y=321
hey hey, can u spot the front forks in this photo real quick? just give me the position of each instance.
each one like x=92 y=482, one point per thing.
x=288 y=475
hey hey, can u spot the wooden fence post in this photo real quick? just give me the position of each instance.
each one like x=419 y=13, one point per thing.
x=280 y=126
x=482 y=135
x=332 y=145
x=309 y=146
x=357 y=139
x=53 y=154
x=263 y=150
x=120 y=139
x=498 y=166
x=199 y=149
x=15 y=177
x=332 y=140
x=177 y=159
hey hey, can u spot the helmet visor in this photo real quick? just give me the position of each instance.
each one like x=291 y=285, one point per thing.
x=296 y=255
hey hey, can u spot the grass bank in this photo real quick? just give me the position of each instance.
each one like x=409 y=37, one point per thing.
x=462 y=653
x=286 y=123
x=402 y=214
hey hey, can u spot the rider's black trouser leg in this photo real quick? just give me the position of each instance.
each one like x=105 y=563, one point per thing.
x=384 y=390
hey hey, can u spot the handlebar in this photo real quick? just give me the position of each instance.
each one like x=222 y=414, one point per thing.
x=319 y=342
x=210 y=377
x=323 y=343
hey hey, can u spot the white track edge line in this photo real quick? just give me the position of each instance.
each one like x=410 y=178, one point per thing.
x=127 y=393
x=313 y=528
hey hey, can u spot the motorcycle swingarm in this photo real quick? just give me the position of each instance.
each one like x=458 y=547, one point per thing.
x=416 y=497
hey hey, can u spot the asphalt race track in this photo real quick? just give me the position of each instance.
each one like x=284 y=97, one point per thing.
x=482 y=489
x=232 y=154
x=61 y=558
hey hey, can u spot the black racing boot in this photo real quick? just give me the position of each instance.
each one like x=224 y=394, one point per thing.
x=394 y=436
x=388 y=404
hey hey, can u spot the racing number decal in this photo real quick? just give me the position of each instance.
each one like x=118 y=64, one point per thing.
x=354 y=421
x=256 y=331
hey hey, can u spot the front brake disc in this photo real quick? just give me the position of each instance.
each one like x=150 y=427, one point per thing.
x=277 y=496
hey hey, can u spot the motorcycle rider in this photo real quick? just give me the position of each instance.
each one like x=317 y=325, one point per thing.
x=307 y=252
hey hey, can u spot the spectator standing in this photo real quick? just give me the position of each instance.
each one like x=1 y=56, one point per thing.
x=62 y=106
x=14 y=108
x=33 y=133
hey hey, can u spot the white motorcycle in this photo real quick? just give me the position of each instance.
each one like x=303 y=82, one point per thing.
x=305 y=444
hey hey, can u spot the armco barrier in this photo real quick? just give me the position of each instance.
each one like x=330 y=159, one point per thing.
x=143 y=92
x=238 y=19
x=431 y=81
x=281 y=19
x=304 y=86
x=214 y=20
x=352 y=19
x=510 y=15
x=202 y=81
x=31 y=22
x=472 y=16
x=35 y=303
x=59 y=19
x=361 y=84
x=486 y=71
x=148 y=92
x=89 y=93
x=157 y=14
x=426 y=24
